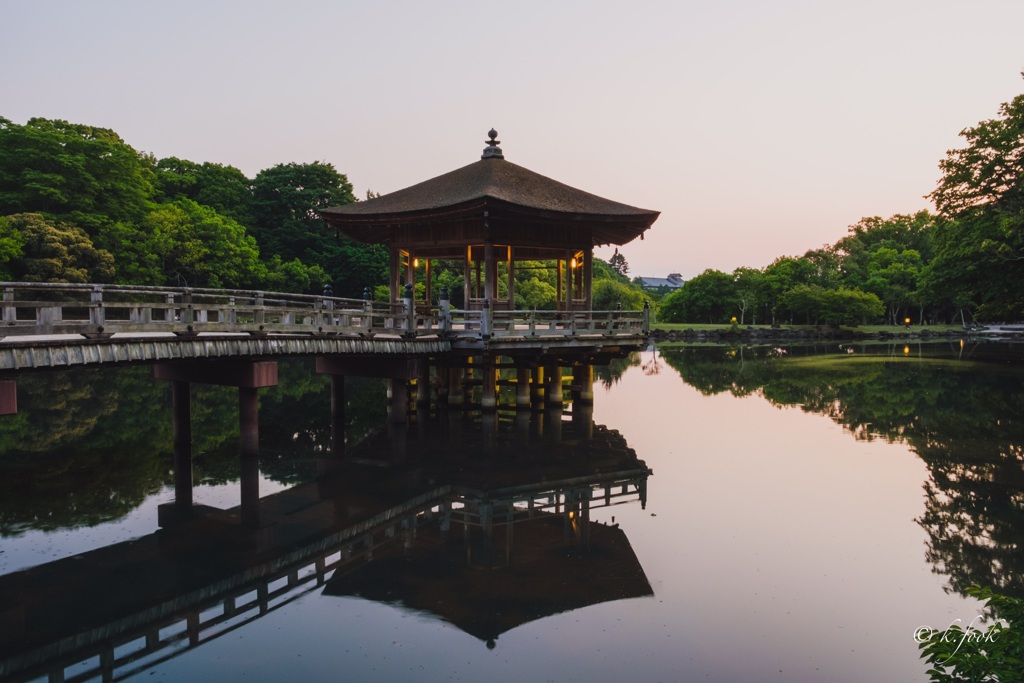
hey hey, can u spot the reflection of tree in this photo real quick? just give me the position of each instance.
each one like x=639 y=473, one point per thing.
x=610 y=374
x=89 y=445
x=961 y=418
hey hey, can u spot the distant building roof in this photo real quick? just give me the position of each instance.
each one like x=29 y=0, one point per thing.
x=673 y=281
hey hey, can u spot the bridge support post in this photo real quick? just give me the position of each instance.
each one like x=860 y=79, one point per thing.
x=553 y=388
x=489 y=394
x=8 y=397
x=249 y=377
x=422 y=386
x=399 y=403
x=522 y=386
x=181 y=406
x=583 y=383
x=583 y=420
x=537 y=386
x=456 y=394
x=249 y=447
x=337 y=415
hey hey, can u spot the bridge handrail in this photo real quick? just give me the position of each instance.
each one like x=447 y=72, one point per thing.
x=101 y=310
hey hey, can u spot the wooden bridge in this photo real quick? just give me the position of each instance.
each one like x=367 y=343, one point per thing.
x=55 y=324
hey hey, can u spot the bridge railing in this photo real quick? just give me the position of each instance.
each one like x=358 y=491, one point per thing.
x=98 y=311
x=487 y=323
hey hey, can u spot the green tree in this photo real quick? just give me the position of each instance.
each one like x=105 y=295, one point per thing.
x=83 y=175
x=286 y=199
x=285 y=203
x=750 y=292
x=609 y=295
x=844 y=306
x=56 y=252
x=982 y=190
x=224 y=188
x=186 y=244
x=709 y=297
x=618 y=263
x=536 y=295
x=11 y=243
x=783 y=274
x=893 y=276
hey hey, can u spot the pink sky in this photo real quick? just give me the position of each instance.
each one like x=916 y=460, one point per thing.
x=757 y=129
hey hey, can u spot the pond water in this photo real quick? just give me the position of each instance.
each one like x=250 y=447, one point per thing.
x=806 y=510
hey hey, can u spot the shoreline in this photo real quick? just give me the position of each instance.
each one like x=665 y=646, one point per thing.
x=761 y=334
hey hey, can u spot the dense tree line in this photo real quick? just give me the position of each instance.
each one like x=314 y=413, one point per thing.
x=963 y=262
x=78 y=204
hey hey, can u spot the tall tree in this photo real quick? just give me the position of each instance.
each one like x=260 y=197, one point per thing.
x=78 y=174
x=982 y=190
x=285 y=203
x=750 y=293
x=286 y=199
x=618 y=263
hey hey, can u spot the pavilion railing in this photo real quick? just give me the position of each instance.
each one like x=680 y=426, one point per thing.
x=98 y=311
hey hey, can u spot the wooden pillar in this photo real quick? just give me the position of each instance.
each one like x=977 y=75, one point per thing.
x=427 y=275
x=537 y=386
x=522 y=386
x=181 y=408
x=423 y=386
x=553 y=422
x=588 y=267
x=467 y=280
x=394 y=264
x=488 y=398
x=8 y=397
x=583 y=383
x=456 y=394
x=490 y=272
x=249 y=446
x=337 y=415
x=553 y=385
x=399 y=400
x=511 y=280
x=583 y=421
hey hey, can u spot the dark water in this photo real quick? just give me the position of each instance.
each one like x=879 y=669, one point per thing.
x=809 y=508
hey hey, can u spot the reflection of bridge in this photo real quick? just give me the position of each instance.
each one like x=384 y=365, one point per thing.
x=122 y=609
x=234 y=337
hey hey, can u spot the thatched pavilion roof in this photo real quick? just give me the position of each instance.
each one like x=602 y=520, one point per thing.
x=506 y=191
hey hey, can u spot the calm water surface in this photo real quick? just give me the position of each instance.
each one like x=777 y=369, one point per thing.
x=806 y=513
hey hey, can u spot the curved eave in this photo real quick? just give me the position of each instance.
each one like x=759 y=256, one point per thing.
x=615 y=228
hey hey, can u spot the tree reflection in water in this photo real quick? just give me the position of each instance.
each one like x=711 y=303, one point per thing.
x=959 y=409
x=89 y=445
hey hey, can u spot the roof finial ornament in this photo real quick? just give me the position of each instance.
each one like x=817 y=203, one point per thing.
x=492 y=151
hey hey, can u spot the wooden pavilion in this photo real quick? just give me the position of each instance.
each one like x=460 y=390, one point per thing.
x=487 y=217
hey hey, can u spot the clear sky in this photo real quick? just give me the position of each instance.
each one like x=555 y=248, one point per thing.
x=758 y=128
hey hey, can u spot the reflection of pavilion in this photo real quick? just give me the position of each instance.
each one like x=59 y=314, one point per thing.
x=126 y=607
x=545 y=575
